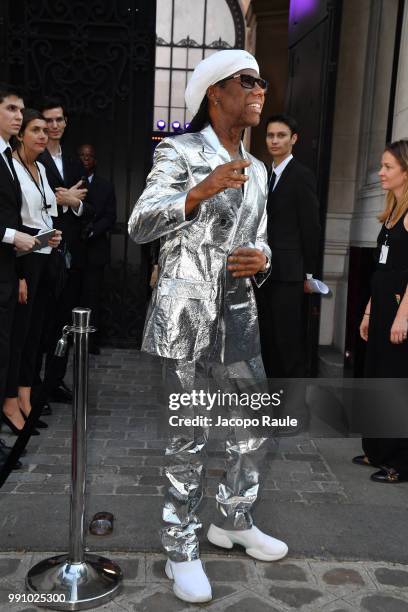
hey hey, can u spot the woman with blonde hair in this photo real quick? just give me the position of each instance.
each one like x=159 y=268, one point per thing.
x=384 y=325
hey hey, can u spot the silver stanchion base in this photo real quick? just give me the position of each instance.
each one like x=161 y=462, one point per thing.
x=58 y=584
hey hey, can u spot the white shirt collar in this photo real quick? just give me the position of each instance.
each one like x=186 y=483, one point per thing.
x=4 y=145
x=90 y=178
x=214 y=142
x=280 y=167
x=58 y=154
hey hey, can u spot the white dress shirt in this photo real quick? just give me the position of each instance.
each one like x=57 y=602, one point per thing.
x=280 y=168
x=32 y=212
x=9 y=234
x=57 y=158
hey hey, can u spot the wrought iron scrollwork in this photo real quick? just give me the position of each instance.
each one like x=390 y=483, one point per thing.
x=97 y=56
x=85 y=51
x=188 y=42
x=239 y=23
x=219 y=44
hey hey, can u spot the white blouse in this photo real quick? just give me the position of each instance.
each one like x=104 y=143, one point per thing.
x=32 y=208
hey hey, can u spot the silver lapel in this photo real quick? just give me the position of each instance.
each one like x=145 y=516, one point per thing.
x=213 y=152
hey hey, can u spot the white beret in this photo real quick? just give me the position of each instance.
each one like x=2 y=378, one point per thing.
x=214 y=68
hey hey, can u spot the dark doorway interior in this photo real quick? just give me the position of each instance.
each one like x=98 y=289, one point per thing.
x=98 y=57
x=314 y=32
x=361 y=268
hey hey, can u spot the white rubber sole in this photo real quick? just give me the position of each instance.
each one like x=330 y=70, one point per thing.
x=218 y=537
x=180 y=594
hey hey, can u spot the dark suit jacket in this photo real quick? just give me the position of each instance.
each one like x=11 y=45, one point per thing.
x=101 y=196
x=69 y=223
x=293 y=224
x=10 y=205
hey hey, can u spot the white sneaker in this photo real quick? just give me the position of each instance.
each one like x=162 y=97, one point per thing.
x=256 y=544
x=190 y=581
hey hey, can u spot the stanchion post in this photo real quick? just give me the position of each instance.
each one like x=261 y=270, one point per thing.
x=77 y=580
x=81 y=320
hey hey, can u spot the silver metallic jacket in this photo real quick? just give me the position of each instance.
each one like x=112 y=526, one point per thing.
x=198 y=310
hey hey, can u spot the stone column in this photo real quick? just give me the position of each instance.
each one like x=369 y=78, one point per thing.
x=360 y=123
x=400 y=125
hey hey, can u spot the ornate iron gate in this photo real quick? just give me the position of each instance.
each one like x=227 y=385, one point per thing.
x=98 y=57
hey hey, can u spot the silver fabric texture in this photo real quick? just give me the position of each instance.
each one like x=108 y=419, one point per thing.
x=202 y=321
x=197 y=305
x=186 y=453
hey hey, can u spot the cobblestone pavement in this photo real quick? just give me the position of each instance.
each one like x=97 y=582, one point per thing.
x=239 y=585
x=346 y=535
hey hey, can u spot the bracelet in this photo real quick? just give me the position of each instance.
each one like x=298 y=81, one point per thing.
x=366 y=314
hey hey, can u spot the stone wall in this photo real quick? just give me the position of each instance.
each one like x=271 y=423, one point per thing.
x=360 y=124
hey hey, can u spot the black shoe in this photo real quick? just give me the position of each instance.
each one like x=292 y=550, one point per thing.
x=388 y=475
x=361 y=460
x=40 y=424
x=17 y=466
x=8 y=449
x=61 y=394
x=3 y=459
x=46 y=410
x=15 y=429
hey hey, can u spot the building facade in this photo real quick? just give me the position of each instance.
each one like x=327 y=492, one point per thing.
x=371 y=108
x=340 y=66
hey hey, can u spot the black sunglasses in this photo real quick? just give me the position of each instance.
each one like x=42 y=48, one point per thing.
x=247 y=81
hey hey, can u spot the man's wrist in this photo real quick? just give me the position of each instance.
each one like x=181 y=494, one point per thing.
x=193 y=196
x=193 y=200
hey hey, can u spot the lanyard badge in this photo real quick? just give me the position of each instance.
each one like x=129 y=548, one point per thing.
x=384 y=254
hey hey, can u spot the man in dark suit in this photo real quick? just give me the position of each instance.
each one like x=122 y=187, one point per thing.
x=101 y=195
x=65 y=176
x=293 y=235
x=11 y=239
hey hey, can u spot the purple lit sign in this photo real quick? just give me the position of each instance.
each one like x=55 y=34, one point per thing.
x=301 y=8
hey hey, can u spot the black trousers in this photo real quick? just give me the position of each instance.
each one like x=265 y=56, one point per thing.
x=280 y=314
x=82 y=288
x=8 y=302
x=388 y=452
x=384 y=359
x=28 y=324
x=62 y=315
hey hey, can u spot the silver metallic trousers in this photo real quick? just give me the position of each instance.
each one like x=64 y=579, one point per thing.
x=186 y=449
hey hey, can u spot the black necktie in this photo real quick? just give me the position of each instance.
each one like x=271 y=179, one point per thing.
x=7 y=153
x=272 y=181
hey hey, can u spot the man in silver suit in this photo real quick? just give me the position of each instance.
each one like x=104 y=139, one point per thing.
x=205 y=198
